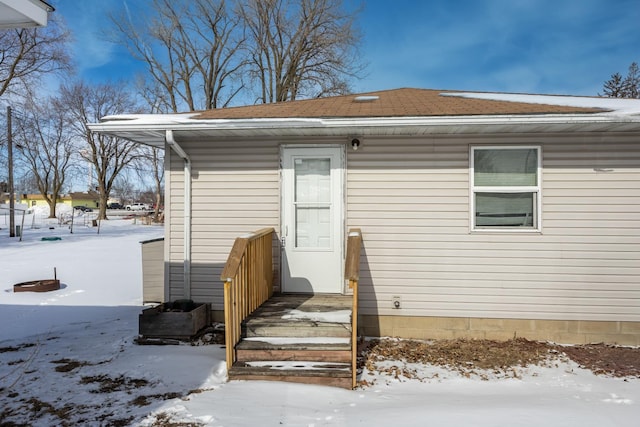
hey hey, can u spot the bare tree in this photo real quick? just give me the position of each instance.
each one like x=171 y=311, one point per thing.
x=46 y=145
x=627 y=87
x=157 y=163
x=123 y=189
x=191 y=51
x=27 y=54
x=151 y=163
x=614 y=88
x=108 y=155
x=300 y=48
x=632 y=81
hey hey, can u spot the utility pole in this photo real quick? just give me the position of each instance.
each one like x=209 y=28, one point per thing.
x=12 y=199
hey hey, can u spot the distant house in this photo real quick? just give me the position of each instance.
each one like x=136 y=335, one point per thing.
x=38 y=199
x=483 y=215
x=87 y=199
x=4 y=194
x=90 y=199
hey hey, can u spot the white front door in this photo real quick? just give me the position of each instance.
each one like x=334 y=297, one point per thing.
x=312 y=218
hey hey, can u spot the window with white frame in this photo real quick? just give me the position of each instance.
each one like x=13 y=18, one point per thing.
x=505 y=188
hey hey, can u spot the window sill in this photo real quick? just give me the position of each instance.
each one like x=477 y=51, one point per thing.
x=505 y=230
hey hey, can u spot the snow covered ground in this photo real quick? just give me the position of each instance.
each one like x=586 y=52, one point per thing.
x=68 y=358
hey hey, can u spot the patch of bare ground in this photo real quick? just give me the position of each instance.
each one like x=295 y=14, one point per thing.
x=145 y=400
x=166 y=420
x=148 y=398
x=605 y=359
x=68 y=365
x=18 y=348
x=109 y=384
x=487 y=358
x=36 y=408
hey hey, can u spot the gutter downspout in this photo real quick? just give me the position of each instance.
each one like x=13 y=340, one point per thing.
x=170 y=140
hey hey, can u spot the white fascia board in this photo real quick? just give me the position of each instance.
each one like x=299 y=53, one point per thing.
x=175 y=121
x=162 y=122
x=139 y=123
x=148 y=118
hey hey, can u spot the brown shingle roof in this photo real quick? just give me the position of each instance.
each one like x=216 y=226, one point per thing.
x=405 y=102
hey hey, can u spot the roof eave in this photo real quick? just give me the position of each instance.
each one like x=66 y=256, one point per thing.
x=24 y=14
x=152 y=132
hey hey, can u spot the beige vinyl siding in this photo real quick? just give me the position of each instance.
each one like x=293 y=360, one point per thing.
x=235 y=191
x=153 y=271
x=411 y=198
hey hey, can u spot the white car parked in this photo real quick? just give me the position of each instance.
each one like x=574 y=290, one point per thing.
x=137 y=207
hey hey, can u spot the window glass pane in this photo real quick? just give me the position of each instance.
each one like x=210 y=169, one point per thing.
x=504 y=209
x=312 y=203
x=505 y=167
x=312 y=180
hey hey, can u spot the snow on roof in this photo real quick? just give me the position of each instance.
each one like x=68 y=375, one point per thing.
x=150 y=118
x=434 y=104
x=394 y=112
x=615 y=106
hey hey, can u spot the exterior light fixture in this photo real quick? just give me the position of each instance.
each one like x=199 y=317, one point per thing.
x=355 y=144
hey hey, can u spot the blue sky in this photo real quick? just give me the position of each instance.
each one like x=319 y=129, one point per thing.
x=530 y=46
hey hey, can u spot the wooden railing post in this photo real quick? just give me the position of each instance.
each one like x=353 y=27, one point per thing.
x=228 y=322
x=352 y=274
x=248 y=283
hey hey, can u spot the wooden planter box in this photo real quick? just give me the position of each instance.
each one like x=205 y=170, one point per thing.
x=161 y=322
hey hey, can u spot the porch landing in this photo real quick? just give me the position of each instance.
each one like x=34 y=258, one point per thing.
x=297 y=338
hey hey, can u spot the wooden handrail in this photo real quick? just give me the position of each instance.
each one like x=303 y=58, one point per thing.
x=248 y=283
x=352 y=262
x=352 y=274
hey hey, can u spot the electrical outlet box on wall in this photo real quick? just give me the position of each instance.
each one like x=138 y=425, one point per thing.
x=396 y=302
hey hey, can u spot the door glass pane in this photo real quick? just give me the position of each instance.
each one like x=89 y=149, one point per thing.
x=505 y=167
x=312 y=180
x=312 y=201
x=504 y=209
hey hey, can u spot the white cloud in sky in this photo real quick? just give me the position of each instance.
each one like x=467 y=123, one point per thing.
x=569 y=46
x=88 y=20
x=542 y=46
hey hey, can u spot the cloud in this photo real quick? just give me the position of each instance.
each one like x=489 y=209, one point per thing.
x=87 y=21
x=545 y=46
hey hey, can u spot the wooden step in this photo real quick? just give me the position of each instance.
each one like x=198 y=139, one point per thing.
x=266 y=327
x=297 y=338
x=308 y=302
x=301 y=316
x=253 y=350
x=334 y=375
